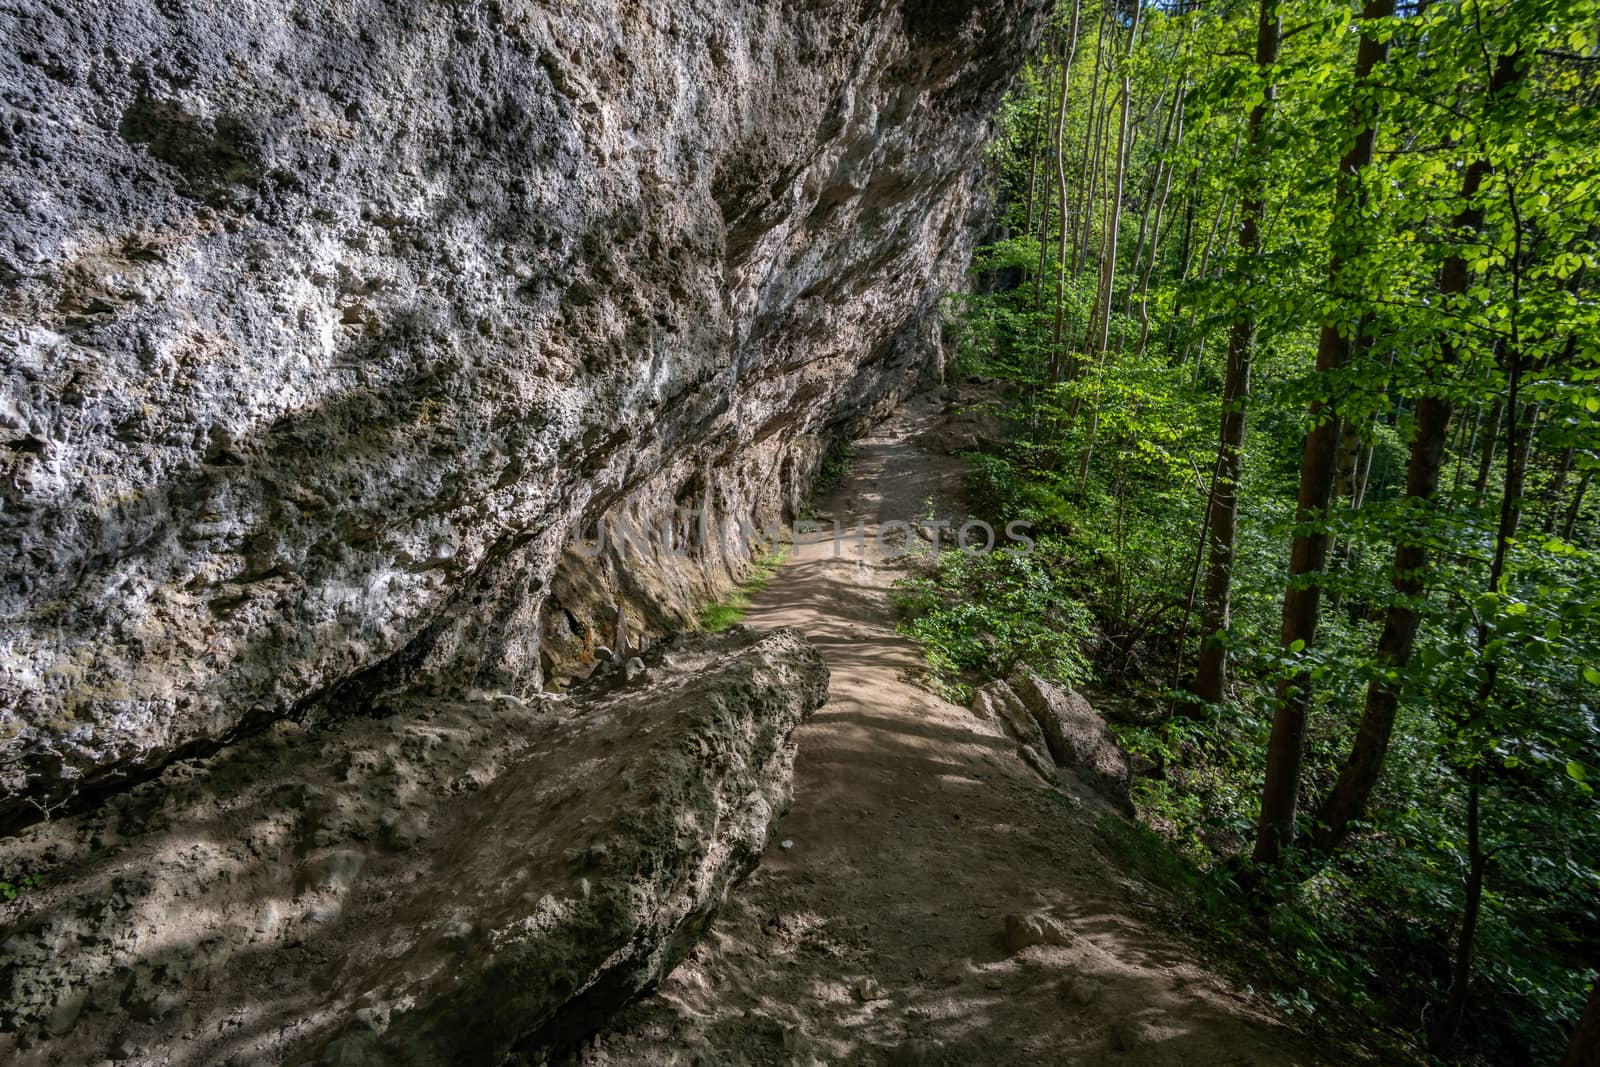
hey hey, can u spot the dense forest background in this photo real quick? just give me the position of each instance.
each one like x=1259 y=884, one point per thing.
x=1298 y=307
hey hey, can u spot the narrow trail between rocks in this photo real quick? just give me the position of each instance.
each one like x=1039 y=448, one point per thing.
x=871 y=932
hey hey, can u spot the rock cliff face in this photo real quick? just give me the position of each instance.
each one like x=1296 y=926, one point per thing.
x=326 y=323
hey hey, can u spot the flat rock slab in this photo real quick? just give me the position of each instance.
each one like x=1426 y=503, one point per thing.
x=458 y=882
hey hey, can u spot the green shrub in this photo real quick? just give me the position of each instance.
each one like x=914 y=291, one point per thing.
x=980 y=615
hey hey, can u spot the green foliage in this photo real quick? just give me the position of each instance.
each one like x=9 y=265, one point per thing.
x=835 y=465
x=979 y=615
x=9 y=891
x=726 y=613
x=1114 y=459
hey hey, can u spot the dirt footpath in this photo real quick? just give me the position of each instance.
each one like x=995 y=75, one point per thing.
x=873 y=931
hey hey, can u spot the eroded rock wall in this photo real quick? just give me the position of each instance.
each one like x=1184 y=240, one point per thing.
x=325 y=323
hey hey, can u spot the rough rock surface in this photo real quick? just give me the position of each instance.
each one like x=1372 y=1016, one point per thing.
x=1074 y=734
x=452 y=883
x=995 y=702
x=323 y=325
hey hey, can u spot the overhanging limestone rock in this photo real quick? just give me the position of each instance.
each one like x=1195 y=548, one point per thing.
x=446 y=885
x=324 y=329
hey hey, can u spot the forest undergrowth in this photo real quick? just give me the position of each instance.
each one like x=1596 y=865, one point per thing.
x=1295 y=306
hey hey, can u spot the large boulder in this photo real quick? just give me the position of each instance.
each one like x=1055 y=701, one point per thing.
x=1074 y=734
x=455 y=882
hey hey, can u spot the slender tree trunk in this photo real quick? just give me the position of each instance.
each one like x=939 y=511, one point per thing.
x=1160 y=182
x=1491 y=436
x=1190 y=707
x=1200 y=348
x=1558 y=486
x=1097 y=174
x=1359 y=775
x=1449 y=1021
x=1191 y=208
x=1519 y=439
x=1096 y=343
x=1302 y=598
x=1155 y=236
x=1231 y=204
x=1033 y=161
x=1570 y=523
x=1211 y=670
x=1069 y=50
x=1466 y=450
x=1044 y=212
x=1084 y=209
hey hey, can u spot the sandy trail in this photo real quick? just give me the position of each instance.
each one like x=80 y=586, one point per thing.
x=875 y=936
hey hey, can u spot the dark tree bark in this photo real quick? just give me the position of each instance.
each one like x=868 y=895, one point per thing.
x=1583 y=1050
x=1558 y=486
x=1185 y=253
x=1359 y=775
x=1519 y=439
x=1210 y=673
x=1491 y=437
x=1570 y=523
x=1302 y=598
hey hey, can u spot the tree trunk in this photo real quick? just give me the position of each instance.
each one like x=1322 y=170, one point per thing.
x=1559 y=486
x=1157 y=187
x=1191 y=208
x=1302 y=598
x=1359 y=775
x=1069 y=49
x=1190 y=707
x=1468 y=449
x=1200 y=349
x=1570 y=523
x=1033 y=161
x=1044 y=211
x=1084 y=205
x=1491 y=436
x=1155 y=236
x=1583 y=1049
x=1096 y=342
x=1449 y=1021
x=1211 y=671
x=1519 y=440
